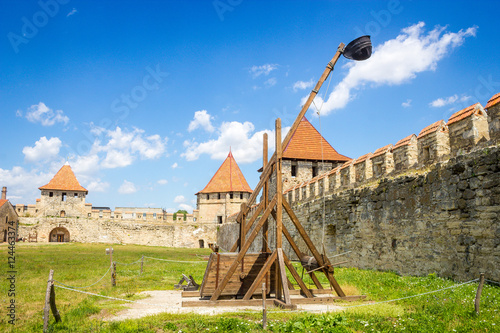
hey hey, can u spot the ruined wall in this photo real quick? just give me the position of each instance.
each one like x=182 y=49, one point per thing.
x=123 y=232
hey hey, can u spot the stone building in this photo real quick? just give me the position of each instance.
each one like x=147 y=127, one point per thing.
x=63 y=196
x=493 y=108
x=224 y=193
x=7 y=216
x=307 y=155
x=433 y=143
x=467 y=128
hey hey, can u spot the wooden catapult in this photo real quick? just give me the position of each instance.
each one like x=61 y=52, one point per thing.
x=234 y=278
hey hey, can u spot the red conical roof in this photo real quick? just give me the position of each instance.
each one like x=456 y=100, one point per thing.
x=64 y=180
x=306 y=144
x=228 y=178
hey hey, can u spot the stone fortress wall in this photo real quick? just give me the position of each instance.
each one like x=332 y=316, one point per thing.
x=426 y=204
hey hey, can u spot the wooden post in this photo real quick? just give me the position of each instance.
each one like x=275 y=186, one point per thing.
x=279 y=282
x=50 y=303
x=478 y=293
x=142 y=262
x=265 y=195
x=264 y=312
x=113 y=274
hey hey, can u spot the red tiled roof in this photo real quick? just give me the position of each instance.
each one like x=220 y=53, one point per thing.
x=38 y=200
x=431 y=128
x=382 y=150
x=306 y=144
x=64 y=179
x=467 y=112
x=2 y=201
x=228 y=178
x=362 y=158
x=493 y=101
x=404 y=142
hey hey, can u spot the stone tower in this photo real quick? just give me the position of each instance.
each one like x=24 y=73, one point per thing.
x=224 y=194
x=63 y=196
x=307 y=155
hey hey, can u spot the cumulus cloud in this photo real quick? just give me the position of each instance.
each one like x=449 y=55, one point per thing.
x=127 y=188
x=257 y=71
x=40 y=113
x=201 y=120
x=395 y=62
x=186 y=207
x=245 y=144
x=44 y=150
x=23 y=184
x=179 y=199
x=301 y=85
x=440 y=102
x=162 y=182
x=175 y=165
x=97 y=186
x=124 y=146
x=270 y=82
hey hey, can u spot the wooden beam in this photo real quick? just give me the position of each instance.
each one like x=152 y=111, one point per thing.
x=263 y=271
x=249 y=225
x=322 y=261
x=265 y=195
x=280 y=283
x=283 y=277
x=244 y=250
x=296 y=276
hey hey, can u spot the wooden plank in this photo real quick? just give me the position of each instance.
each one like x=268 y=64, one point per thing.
x=283 y=278
x=245 y=248
x=321 y=261
x=296 y=276
x=326 y=299
x=261 y=275
x=228 y=302
x=265 y=199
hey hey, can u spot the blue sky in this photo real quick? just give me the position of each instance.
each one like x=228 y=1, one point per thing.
x=146 y=98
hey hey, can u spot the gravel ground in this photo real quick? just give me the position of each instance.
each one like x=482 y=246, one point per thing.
x=170 y=301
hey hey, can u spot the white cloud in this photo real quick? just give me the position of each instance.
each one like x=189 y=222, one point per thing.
x=175 y=165
x=395 y=62
x=270 y=82
x=23 y=184
x=301 y=85
x=44 y=150
x=86 y=164
x=162 y=182
x=97 y=186
x=40 y=113
x=201 y=120
x=127 y=188
x=124 y=146
x=245 y=145
x=186 y=207
x=406 y=104
x=440 y=102
x=72 y=12
x=179 y=199
x=257 y=71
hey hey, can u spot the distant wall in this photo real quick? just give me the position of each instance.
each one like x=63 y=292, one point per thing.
x=132 y=232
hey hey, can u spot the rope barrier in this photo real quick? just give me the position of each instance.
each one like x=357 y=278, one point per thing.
x=88 y=285
x=493 y=282
x=113 y=298
x=135 y=262
x=426 y=293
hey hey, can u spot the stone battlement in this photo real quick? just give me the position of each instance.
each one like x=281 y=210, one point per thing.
x=467 y=130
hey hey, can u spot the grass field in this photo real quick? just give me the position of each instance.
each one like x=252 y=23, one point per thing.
x=450 y=310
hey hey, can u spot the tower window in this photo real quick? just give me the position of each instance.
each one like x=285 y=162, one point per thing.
x=208 y=196
x=218 y=195
x=230 y=195
x=314 y=171
x=76 y=195
x=294 y=170
x=241 y=196
x=51 y=194
x=63 y=196
x=219 y=219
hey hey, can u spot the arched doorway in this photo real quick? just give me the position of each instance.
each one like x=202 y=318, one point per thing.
x=59 y=234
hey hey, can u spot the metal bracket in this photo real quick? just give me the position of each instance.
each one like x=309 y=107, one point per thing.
x=315 y=91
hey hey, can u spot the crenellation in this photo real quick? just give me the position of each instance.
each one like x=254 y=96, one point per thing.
x=347 y=175
x=433 y=144
x=382 y=161
x=405 y=153
x=467 y=128
x=363 y=168
x=493 y=109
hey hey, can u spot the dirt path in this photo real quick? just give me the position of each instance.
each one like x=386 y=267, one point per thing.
x=171 y=301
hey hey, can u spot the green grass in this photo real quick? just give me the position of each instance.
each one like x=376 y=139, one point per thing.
x=82 y=264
